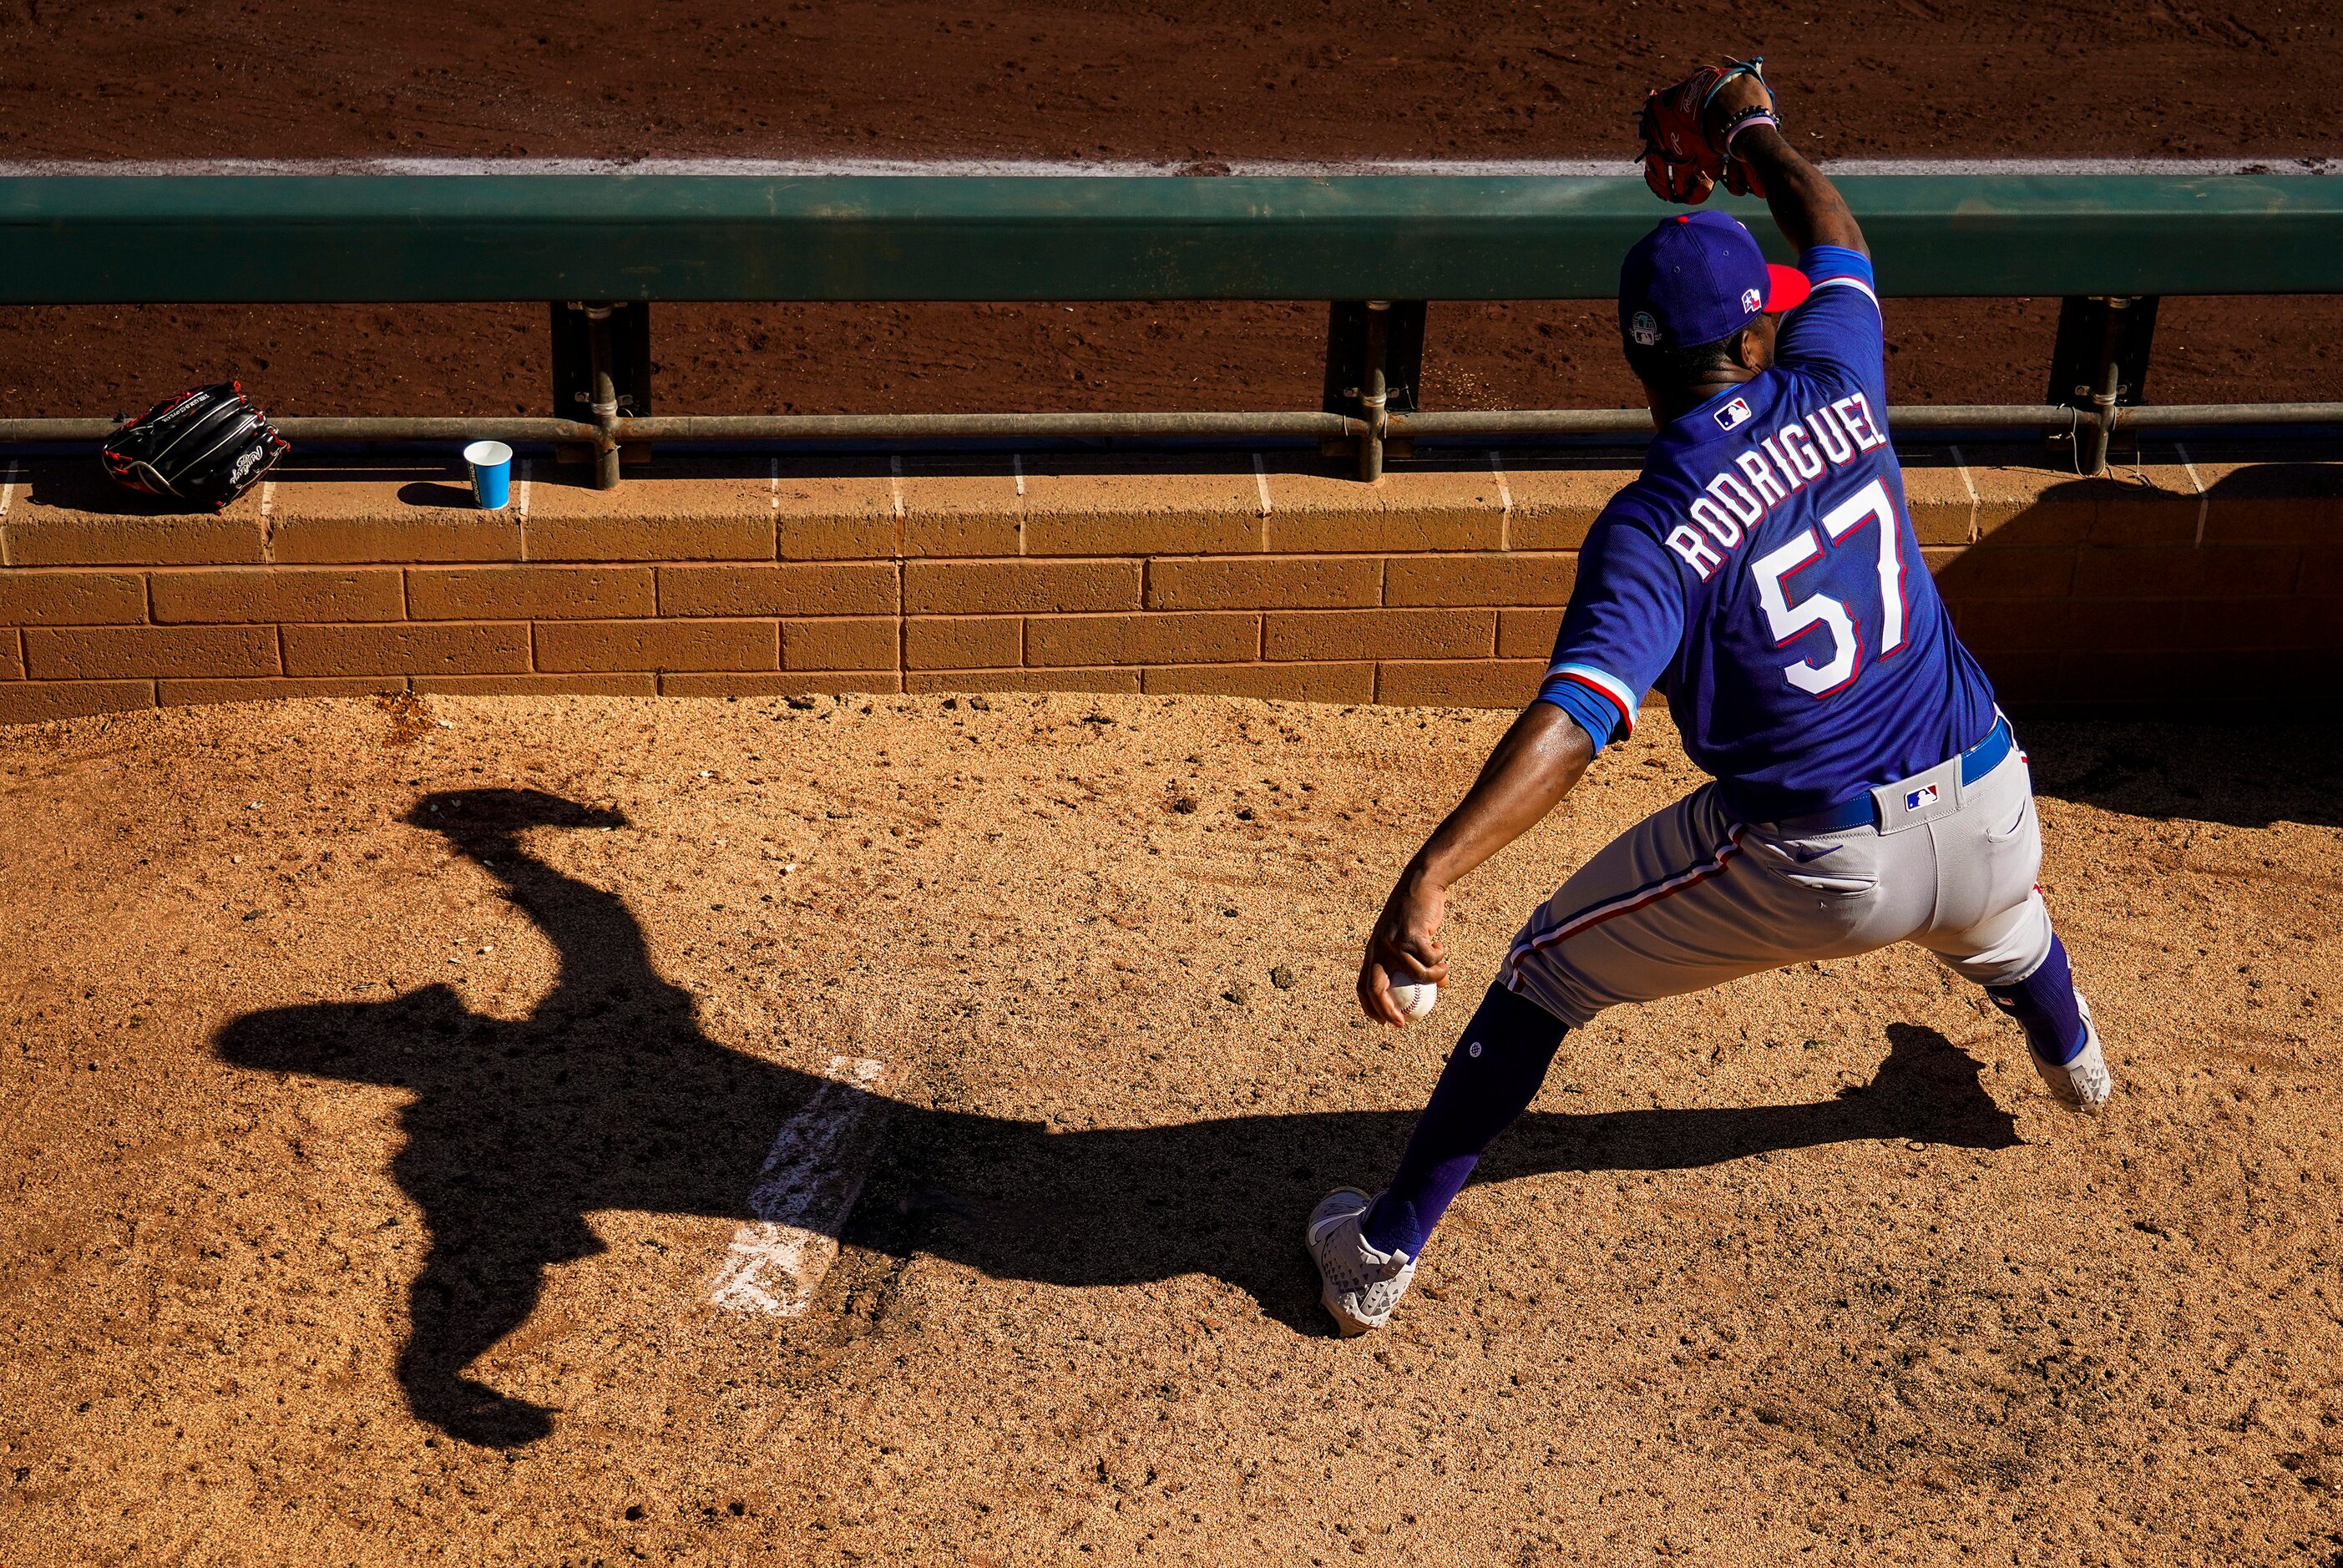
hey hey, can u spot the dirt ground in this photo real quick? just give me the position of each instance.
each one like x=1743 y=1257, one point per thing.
x=386 y=1079
x=1187 y=83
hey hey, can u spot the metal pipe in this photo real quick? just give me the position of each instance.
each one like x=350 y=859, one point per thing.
x=14 y=430
x=1524 y=422
x=1637 y=422
x=1374 y=396
x=337 y=428
x=2211 y=416
x=1905 y=419
x=980 y=426
x=2094 y=436
x=371 y=428
x=1973 y=416
x=605 y=404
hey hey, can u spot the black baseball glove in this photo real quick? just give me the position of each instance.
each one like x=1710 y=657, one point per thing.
x=209 y=445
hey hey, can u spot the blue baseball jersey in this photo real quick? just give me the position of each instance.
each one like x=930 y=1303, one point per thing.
x=1762 y=574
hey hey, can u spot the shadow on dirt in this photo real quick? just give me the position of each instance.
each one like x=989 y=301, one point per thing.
x=609 y=1095
x=2242 y=774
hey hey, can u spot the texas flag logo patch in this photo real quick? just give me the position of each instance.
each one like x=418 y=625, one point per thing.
x=1733 y=415
x=1923 y=796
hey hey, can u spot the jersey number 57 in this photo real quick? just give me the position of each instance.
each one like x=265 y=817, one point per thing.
x=1773 y=571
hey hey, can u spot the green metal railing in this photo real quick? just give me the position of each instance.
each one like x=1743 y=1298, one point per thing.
x=604 y=240
x=391 y=239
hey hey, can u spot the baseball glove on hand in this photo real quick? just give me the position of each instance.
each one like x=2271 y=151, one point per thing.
x=209 y=445
x=1687 y=141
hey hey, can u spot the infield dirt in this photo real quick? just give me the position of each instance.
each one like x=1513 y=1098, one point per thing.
x=1190 y=84
x=359 y=1049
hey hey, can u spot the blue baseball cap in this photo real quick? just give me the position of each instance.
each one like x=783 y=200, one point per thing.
x=1699 y=277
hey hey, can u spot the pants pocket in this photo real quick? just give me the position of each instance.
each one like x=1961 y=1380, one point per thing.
x=1814 y=866
x=2010 y=834
x=1833 y=887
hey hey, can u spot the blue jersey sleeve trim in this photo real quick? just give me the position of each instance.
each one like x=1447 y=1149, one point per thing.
x=1822 y=261
x=1589 y=712
x=1600 y=702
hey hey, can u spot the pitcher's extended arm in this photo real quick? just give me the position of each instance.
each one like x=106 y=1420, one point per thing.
x=1806 y=206
x=1533 y=767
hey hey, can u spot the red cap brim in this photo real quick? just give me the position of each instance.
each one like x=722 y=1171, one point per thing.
x=1786 y=288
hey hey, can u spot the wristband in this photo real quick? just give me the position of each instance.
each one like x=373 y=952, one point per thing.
x=1755 y=114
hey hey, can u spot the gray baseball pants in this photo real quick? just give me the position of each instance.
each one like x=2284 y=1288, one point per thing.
x=1690 y=898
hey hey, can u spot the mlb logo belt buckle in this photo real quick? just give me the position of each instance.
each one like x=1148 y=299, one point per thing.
x=1922 y=798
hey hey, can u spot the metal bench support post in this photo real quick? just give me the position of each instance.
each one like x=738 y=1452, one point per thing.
x=602 y=373
x=1375 y=359
x=2100 y=363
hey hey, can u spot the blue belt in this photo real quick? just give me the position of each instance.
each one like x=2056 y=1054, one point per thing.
x=1863 y=810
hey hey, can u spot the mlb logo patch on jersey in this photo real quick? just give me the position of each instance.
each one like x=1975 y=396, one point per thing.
x=1923 y=796
x=1733 y=415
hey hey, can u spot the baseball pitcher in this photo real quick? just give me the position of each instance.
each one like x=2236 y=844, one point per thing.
x=1762 y=574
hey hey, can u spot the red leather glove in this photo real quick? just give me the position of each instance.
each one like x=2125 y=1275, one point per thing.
x=1680 y=162
x=1687 y=141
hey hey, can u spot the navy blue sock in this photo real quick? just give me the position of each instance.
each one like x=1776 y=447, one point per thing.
x=2044 y=1003
x=1490 y=1080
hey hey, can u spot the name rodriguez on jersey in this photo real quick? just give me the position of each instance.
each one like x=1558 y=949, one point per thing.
x=1736 y=499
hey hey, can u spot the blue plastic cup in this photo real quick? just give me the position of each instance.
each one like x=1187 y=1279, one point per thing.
x=491 y=466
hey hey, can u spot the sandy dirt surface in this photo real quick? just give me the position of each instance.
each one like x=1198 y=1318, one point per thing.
x=386 y=1082
x=1189 y=82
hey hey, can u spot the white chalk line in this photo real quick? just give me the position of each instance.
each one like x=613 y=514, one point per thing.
x=2204 y=501
x=7 y=489
x=811 y=1177
x=1961 y=463
x=1260 y=481
x=817 y=167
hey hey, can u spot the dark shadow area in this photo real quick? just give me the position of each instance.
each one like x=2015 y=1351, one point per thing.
x=2132 y=597
x=434 y=493
x=2239 y=772
x=609 y=1095
x=82 y=485
x=419 y=465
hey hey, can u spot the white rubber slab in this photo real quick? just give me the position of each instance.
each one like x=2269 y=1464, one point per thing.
x=811 y=1177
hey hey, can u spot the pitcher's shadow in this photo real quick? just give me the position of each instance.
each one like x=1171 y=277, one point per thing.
x=609 y=1095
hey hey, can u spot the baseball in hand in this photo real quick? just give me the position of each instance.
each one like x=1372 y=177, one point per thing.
x=1413 y=998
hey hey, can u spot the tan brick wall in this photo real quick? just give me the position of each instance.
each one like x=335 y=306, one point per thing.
x=36 y=597
x=963 y=642
x=264 y=594
x=658 y=645
x=2182 y=575
x=1332 y=634
x=860 y=643
x=841 y=587
x=1264 y=582
x=545 y=593
x=1020 y=586
x=441 y=649
x=143 y=652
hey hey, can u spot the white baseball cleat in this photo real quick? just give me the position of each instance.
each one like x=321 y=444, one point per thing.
x=1359 y=1284
x=2082 y=1084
